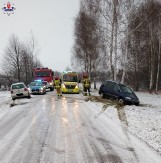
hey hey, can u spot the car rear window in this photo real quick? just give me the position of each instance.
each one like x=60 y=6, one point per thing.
x=40 y=84
x=36 y=84
x=110 y=85
x=104 y=83
x=116 y=88
x=17 y=86
x=33 y=84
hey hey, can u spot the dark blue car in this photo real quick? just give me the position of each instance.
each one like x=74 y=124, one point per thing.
x=122 y=93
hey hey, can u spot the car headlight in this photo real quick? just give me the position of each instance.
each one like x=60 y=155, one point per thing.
x=76 y=86
x=128 y=98
x=63 y=85
x=41 y=89
x=51 y=83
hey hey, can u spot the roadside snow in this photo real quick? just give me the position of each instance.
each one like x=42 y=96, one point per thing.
x=4 y=96
x=143 y=121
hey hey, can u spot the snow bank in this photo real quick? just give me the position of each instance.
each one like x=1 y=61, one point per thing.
x=143 y=121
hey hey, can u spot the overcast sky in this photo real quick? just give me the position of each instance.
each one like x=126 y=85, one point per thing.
x=52 y=23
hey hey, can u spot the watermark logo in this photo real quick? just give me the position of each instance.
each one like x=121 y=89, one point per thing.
x=8 y=8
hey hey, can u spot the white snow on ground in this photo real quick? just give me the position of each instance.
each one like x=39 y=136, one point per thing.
x=143 y=121
x=4 y=96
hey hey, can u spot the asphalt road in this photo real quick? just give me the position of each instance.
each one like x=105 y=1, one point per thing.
x=45 y=129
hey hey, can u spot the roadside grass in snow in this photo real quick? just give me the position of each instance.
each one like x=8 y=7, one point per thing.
x=105 y=101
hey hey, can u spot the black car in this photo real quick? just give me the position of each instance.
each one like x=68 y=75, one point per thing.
x=122 y=93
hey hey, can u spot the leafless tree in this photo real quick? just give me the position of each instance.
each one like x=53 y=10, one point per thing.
x=146 y=33
x=86 y=38
x=18 y=60
x=159 y=53
x=12 y=57
x=33 y=49
x=129 y=40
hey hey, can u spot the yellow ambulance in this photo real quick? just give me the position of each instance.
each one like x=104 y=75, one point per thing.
x=70 y=82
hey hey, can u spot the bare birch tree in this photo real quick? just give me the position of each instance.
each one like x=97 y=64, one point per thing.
x=12 y=57
x=86 y=38
x=159 y=53
x=18 y=61
x=146 y=29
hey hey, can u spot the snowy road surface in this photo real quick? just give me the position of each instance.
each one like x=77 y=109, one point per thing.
x=45 y=129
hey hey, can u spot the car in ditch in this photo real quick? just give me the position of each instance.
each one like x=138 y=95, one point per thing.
x=37 y=88
x=123 y=93
x=19 y=90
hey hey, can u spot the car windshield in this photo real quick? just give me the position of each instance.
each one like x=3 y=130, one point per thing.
x=43 y=73
x=17 y=86
x=126 y=89
x=36 y=84
x=70 y=78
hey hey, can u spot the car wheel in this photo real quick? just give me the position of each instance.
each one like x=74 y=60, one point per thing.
x=137 y=104
x=121 y=101
x=51 y=89
x=102 y=95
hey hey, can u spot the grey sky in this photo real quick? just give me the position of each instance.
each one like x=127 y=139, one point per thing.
x=52 y=23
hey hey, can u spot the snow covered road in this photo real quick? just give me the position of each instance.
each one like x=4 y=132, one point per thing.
x=45 y=129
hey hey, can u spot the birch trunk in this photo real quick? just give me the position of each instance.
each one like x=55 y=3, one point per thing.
x=114 y=29
x=111 y=47
x=127 y=33
x=115 y=57
x=157 y=79
x=125 y=60
x=158 y=67
x=151 y=62
x=136 y=73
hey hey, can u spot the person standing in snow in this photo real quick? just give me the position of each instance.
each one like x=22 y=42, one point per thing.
x=57 y=85
x=86 y=84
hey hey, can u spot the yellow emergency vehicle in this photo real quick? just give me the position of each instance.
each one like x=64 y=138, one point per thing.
x=70 y=82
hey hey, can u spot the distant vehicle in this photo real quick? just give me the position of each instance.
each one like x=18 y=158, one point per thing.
x=122 y=93
x=70 y=82
x=19 y=90
x=44 y=74
x=37 y=88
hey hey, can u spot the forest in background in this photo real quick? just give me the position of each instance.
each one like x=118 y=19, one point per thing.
x=119 y=40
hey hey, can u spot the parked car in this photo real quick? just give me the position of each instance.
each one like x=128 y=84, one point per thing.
x=19 y=90
x=122 y=93
x=37 y=88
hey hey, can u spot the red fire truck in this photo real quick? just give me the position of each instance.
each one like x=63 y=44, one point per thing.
x=44 y=74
